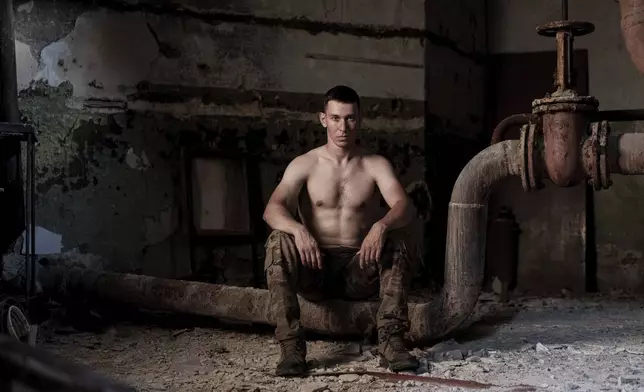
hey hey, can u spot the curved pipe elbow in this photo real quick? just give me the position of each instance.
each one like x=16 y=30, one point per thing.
x=632 y=23
x=466 y=234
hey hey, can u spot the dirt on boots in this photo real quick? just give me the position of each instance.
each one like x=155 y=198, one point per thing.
x=395 y=356
x=293 y=358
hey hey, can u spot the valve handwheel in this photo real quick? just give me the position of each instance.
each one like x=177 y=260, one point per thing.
x=576 y=28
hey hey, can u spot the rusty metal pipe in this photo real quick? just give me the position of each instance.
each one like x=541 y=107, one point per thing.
x=513 y=121
x=626 y=153
x=466 y=234
x=632 y=23
x=463 y=272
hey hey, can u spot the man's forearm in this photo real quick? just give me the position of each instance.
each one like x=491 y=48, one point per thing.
x=398 y=216
x=279 y=218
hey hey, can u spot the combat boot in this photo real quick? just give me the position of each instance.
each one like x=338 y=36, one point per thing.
x=394 y=355
x=292 y=359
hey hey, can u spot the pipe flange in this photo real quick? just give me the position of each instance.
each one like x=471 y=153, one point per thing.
x=528 y=139
x=535 y=183
x=565 y=101
x=601 y=175
x=523 y=141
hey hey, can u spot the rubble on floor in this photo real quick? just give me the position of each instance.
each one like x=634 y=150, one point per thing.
x=554 y=344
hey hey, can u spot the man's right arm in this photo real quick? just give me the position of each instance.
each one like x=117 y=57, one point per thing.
x=281 y=207
x=284 y=199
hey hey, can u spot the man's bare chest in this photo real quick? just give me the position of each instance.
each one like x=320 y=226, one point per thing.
x=329 y=188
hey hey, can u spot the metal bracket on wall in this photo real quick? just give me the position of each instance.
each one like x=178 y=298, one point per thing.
x=26 y=134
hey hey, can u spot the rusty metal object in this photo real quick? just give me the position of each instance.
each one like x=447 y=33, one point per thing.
x=632 y=23
x=463 y=272
x=595 y=156
x=575 y=27
x=625 y=154
x=565 y=31
x=604 y=154
x=515 y=120
x=565 y=120
x=564 y=115
x=466 y=233
x=562 y=133
x=532 y=168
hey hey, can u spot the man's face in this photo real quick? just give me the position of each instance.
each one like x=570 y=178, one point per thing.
x=341 y=122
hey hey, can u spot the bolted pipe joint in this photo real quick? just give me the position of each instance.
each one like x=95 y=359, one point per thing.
x=595 y=156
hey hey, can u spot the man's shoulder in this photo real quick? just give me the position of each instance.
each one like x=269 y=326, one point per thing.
x=306 y=160
x=372 y=159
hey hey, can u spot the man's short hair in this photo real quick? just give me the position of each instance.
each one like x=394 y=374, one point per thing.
x=342 y=94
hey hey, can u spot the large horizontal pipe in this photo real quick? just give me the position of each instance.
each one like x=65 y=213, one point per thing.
x=626 y=153
x=463 y=272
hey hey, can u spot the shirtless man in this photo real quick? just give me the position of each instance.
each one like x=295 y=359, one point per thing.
x=336 y=249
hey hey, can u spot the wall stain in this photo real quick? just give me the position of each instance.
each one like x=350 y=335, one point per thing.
x=300 y=23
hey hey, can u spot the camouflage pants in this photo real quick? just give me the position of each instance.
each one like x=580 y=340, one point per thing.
x=340 y=277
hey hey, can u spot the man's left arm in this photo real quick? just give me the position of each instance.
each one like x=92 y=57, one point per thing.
x=401 y=209
x=400 y=214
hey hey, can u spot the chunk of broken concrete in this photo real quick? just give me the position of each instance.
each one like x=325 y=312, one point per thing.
x=348 y=377
x=453 y=355
x=540 y=348
x=315 y=386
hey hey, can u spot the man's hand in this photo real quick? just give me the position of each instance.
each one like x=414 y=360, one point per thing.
x=308 y=248
x=371 y=248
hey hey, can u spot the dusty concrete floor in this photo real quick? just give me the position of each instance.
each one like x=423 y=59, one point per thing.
x=554 y=344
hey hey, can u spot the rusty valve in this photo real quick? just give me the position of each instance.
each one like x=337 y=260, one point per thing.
x=560 y=139
x=562 y=117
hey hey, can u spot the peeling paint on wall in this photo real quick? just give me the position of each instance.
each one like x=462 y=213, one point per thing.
x=28 y=65
x=115 y=96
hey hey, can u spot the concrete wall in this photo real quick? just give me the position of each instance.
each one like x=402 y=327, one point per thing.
x=617 y=85
x=115 y=92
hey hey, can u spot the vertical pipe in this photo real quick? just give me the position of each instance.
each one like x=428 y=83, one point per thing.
x=562 y=56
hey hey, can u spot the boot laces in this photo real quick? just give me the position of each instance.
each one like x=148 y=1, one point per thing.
x=396 y=344
x=292 y=348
